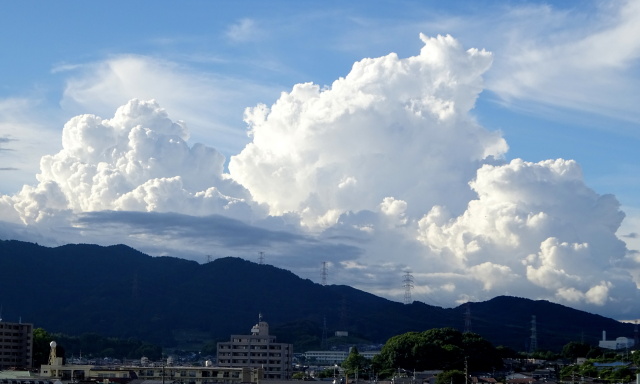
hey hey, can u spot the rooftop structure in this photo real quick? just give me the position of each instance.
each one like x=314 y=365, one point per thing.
x=151 y=372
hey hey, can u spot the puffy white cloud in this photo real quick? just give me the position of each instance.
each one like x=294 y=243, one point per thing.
x=392 y=127
x=540 y=223
x=212 y=103
x=137 y=161
x=382 y=172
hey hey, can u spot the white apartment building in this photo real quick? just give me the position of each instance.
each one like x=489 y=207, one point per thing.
x=16 y=345
x=258 y=350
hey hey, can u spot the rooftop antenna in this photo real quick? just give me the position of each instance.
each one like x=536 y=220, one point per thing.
x=324 y=273
x=408 y=284
x=261 y=257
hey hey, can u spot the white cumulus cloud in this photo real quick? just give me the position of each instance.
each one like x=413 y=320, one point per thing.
x=136 y=161
x=384 y=171
x=391 y=128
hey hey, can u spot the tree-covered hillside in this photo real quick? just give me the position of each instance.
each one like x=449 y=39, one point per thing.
x=117 y=291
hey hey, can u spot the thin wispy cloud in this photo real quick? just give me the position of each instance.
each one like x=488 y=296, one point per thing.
x=585 y=67
x=3 y=142
x=243 y=31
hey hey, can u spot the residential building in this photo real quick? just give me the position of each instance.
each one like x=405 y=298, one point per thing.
x=16 y=345
x=258 y=350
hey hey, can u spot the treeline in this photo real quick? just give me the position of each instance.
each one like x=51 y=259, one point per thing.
x=438 y=348
x=90 y=345
x=456 y=353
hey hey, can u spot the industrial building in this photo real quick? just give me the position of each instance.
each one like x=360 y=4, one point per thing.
x=618 y=343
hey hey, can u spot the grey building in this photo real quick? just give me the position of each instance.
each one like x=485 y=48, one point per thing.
x=16 y=345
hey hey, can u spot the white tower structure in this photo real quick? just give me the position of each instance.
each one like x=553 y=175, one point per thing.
x=52 y=354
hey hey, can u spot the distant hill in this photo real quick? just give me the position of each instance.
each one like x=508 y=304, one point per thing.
x=120 y=292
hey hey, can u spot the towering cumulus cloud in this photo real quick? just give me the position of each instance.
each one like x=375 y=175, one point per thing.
x=391 y=128
x=136 y=161
x=386 y=169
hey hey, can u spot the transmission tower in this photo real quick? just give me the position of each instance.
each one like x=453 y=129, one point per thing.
x=533 y=346
x=323 y=343
x=408 y=284
x=324 y=273
x=467 y=318
x=261 y=257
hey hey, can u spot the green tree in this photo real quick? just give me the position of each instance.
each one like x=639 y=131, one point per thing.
x=506 y=352
x=573 y=350
x=325 y=373
x=480 y=352
x=355 y=363
x=41 y=347
x=438 y=348
x=298 y=376
x=588 y=370
x=451 y=377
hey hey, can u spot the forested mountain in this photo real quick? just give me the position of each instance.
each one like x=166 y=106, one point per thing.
x=118 y=291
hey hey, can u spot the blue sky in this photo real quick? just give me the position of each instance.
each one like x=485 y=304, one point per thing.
x=560 y=83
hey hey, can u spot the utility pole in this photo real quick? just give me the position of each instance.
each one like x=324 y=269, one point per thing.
x=466 y=371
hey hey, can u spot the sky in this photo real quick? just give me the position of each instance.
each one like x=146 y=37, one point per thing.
x=484 y=148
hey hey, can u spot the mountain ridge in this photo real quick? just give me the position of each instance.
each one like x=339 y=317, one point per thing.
x=120 y=292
